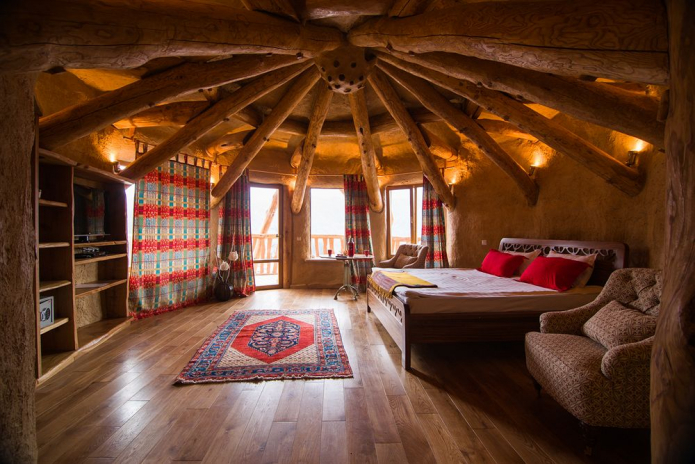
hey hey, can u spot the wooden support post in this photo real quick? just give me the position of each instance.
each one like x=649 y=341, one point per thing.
x=360 y=116
x=293 y=96
x=439 y=105
x=616 y=39
x=393 y=104
x=673 y=355
x=45 y=34
x=211 y=118
x=551 y=133
x=92 y=115
x=602 y=104
x=318 y=116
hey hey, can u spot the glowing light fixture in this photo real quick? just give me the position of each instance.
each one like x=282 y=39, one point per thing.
x=632 y=154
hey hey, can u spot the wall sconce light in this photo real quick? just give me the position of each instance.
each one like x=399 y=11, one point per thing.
x=532 y=170
x=631 y=158
x=117 y=167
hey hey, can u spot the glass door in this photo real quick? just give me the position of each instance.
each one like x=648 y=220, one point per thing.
x=266 y=209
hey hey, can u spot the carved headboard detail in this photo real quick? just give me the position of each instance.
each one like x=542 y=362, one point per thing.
x=611 y=255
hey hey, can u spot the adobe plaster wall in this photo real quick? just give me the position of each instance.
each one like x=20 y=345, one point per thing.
x=17 y=315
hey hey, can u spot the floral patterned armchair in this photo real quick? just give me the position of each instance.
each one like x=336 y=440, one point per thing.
x=602 y=383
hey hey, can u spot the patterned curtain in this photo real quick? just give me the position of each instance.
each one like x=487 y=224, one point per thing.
x=433 y=227
x=357 y=227
x=171 y=243
x=234 y=234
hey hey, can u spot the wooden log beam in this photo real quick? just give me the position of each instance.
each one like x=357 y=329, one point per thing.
x=43 y=34
x=617 y=39
x=504 y=128
x=178 y=114
x=393 y=104
x=437 y=146
x=360 y=115
x=211 y=118
x=84 y=118
x=319 y=9
x=601 y=104
x=403 y=8
x=277 y=7
x=318 y=116
x=673 y=354
x=466 y=126
x=551 y=133
x=294 y=95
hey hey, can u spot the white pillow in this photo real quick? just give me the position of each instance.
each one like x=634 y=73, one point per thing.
x=530 y=256
x=584 y=277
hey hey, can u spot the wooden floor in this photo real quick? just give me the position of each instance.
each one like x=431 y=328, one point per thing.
x=463 y=403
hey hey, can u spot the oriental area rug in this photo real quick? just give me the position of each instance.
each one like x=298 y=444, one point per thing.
x=271 y=345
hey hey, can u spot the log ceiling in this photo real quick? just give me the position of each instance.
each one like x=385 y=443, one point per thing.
x=431 y=78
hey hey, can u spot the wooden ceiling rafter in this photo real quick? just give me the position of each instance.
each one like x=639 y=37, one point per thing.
x=94 y=114
x=403 y=8
x=463 y=124
x=360 y=116
x=601 y=104
x=318 y=116
x=129 y=34
x=394 y=105
x=211 y=118
x=615 y=39
x=300 y=87
x=551 y=133
x=283 y=8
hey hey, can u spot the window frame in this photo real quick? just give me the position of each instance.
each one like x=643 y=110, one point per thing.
x=413 y=213
x=311 y=211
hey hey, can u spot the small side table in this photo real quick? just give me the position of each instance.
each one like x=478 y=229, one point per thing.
x=347 y=283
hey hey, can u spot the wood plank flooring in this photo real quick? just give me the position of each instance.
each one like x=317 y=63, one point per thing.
x=471 y=403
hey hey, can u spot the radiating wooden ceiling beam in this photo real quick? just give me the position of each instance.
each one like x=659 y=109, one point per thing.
x=43 y=34
x=234 y=141
x=617 y=39
x=466 y=126
x=177 y=114
x=318 y=116
x=403 y=8
x=393 y=104
x=294 y=95
x=437 y=146
x=597 y=103
x=360 y=116
x=277 y=7
x=319 y=9
x=211 y=118
x=92 y=115
x=504 y=128
x=551 y=133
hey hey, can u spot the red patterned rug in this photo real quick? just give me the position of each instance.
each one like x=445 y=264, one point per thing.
x=271 y=345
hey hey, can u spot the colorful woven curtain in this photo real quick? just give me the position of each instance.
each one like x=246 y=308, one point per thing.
x=357 y=226
x=433 y=227
x=234 y=234
x=171 y=243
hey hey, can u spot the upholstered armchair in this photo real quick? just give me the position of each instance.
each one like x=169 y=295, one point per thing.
x=408 y=256
x=602 y=383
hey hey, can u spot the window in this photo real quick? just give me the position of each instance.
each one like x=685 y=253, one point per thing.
x=404 y=209
x=327 y=221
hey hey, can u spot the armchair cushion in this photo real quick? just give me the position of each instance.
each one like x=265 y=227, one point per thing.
x=408 y=256
x=403 y=260
x=615 y=325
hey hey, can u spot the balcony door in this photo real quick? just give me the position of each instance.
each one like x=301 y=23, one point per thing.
x=266 y=212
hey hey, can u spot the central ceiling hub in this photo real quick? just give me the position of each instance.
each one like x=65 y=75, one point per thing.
x=345 y=69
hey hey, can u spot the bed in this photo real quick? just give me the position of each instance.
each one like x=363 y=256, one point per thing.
x=470 y=306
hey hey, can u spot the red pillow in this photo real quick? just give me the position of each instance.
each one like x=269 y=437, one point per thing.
x=501 y=264
x=555 y=273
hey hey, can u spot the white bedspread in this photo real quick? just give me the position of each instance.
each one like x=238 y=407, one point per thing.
x=471 y=291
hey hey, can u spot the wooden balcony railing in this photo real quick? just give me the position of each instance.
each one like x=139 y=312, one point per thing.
x=265 y=246
x=320 y=244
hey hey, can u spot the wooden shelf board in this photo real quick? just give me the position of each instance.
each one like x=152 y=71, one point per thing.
x=57 y=323
x=100 y=258
x=58 y=204
x=98 y=244
x=51 y=157
x=53 y=245
x=47 y=285
x=93 y=334
x=88 y=288
x=53 y=362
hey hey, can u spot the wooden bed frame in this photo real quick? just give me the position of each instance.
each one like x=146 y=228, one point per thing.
x=406 y=328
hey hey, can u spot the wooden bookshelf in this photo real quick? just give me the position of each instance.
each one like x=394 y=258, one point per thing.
x=89 y=295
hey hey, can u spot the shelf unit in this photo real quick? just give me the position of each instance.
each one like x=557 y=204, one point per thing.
x=90 y=295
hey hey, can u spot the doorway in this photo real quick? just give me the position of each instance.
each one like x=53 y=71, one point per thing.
x=266 y=217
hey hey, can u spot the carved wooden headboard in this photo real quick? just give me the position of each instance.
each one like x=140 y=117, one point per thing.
x=611 y=255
